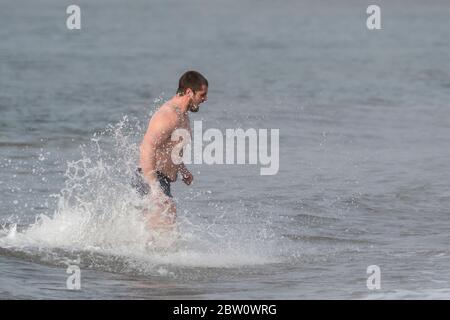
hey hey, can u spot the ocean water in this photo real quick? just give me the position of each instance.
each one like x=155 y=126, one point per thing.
x=364 y=152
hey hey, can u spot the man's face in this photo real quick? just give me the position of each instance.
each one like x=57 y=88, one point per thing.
x=198 y=98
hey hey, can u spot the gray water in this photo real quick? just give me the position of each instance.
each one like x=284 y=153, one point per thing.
x=364 y=149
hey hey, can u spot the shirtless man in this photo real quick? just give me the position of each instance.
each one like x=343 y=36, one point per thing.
x=156 y=169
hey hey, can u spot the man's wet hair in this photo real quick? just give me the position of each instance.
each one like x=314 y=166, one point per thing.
x=191 y=79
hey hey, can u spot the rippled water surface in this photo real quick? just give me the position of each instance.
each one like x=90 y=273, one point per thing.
x=363 y=163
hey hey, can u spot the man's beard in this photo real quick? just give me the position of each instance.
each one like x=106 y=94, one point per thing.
x=194 y=108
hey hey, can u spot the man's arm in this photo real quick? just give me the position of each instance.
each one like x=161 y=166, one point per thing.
x=159 y=130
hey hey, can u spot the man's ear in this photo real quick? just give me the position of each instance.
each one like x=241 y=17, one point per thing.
x=189 y=92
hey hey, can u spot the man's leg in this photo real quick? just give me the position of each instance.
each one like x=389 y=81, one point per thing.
x=161 y=217
x=162 y=214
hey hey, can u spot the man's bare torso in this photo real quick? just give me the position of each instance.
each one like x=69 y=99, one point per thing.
x=163 y=153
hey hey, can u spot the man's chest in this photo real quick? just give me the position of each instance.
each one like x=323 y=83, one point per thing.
x=184 y=124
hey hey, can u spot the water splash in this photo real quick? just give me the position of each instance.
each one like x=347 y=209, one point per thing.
x=99 y=216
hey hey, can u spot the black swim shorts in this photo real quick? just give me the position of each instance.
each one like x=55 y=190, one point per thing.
x=142 y=186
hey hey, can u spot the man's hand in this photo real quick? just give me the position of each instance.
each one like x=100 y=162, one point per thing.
x=187 y=177
x=186 y=174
